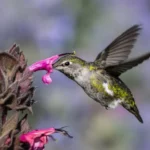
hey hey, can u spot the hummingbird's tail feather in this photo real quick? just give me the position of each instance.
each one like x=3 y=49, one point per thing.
x=138 y=116
x=117 y=70
x=134 y=110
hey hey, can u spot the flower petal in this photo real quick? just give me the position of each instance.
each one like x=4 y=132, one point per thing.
x=38 y=138
x=46 y=64
x=47 y=79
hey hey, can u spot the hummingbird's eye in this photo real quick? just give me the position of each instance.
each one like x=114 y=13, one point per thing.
x=67 y=63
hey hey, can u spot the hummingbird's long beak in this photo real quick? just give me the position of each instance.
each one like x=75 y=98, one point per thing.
x=63 y=54
x=55 y=64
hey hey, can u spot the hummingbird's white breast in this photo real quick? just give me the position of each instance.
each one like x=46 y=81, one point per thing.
x=82 y=76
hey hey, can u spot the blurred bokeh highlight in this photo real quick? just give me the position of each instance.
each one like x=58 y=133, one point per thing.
x=44 y=28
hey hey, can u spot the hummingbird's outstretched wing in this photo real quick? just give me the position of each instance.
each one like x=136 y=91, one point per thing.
x=117 y=70
x=119 y=49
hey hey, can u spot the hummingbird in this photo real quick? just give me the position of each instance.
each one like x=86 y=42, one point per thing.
x=100 y=79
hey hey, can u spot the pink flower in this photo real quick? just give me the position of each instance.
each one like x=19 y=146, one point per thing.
x=46 y=64
x=38 y=138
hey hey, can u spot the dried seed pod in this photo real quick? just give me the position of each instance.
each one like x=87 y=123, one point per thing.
x=16 y=90
x=11 y=131
x=7 y=129
x=16 y=94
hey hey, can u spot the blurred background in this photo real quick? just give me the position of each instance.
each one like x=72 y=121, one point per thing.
x=44 y=28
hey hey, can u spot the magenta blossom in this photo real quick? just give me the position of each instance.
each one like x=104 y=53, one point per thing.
x=46 y=64
x=38 y=138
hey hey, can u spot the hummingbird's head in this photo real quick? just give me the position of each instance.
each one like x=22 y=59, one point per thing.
x=70 y=65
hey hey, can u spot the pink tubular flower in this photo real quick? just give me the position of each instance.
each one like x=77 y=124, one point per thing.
x=46 y=64
x=38 y=138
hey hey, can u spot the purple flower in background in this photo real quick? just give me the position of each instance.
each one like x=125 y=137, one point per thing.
x=45 y=64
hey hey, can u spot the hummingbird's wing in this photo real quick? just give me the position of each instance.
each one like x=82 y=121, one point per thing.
x=117 y=70
x=119 y=49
